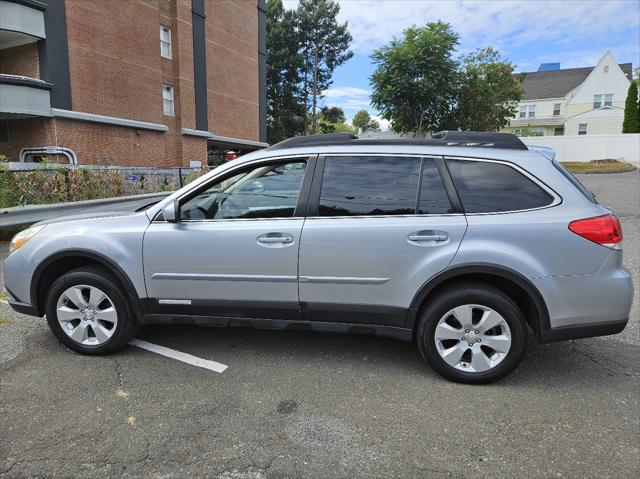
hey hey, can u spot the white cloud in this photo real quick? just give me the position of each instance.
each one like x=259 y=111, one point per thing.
x=350 y=99
x=385 y=125
x=503 y=24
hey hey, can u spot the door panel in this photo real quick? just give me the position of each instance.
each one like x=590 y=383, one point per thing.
x=223 y=260
x=368 y=268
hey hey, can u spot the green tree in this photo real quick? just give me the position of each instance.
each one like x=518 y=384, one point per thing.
x=332 y=120
x=324 y=45
x=488 y=93
x=334 y=114
x=416 y=79
x=286 y=112
x=363 y=120
x=631 y=123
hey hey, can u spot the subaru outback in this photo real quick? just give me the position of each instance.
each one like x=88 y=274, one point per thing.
x=465 y=243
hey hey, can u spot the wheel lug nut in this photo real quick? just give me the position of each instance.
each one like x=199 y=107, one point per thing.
x=477 y=332
x=479 y=339
x=470 y=344
x=467 y=331
x=464 y=338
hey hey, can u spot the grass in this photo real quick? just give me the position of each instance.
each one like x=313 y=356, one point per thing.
x=3 y=297
x=598 y=166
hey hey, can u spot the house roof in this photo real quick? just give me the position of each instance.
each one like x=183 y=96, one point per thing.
x=557 y=83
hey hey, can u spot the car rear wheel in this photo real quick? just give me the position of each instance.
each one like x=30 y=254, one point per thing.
x=472 y=333
x=88 y=311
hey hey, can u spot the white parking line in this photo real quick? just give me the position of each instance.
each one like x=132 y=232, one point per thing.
x=184 y=357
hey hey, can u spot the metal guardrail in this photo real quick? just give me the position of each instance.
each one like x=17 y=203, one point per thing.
x=26 y=215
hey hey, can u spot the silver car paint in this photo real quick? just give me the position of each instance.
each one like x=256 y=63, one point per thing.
x=581 y=282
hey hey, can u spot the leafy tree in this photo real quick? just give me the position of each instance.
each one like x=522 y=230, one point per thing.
x=286 y=112
x=631 y=123
x=332 y=120
x=334 y=114
x=416 y=79
x=324 y=45
x=363 y=120
x=488 y=92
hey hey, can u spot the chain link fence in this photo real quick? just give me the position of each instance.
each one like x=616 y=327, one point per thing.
x=45 y=185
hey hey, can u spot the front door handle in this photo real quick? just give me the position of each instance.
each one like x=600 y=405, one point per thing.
x=437 y=236
x=270 y=238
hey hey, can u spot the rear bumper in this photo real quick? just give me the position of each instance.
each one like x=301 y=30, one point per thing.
x=24 y=308
x=579 y=331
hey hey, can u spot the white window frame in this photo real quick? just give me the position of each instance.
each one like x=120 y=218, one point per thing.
x=168 y=100
x=527 y=111
x=597 y=101
x=608 y=99
x=558 y=105
x=165 y=43
x=581 y=130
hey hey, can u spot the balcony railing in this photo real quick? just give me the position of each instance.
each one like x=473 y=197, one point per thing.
x=21 y=22
x=538 y=121
x=23 y=97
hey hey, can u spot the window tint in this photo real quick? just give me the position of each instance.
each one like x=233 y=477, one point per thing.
x=567 y=174
x=433 y=196
x=265 y=192
x=363 y=186
x=486 y=187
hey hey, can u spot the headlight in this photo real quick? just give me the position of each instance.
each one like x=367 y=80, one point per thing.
x=24 y=236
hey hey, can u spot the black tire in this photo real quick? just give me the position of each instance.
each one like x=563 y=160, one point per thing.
x=126 y=327
x=471 y=293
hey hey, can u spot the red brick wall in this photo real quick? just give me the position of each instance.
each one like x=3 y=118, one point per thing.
x=22 y=60
x=232 y=68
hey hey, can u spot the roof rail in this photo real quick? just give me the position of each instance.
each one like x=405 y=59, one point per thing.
x=442 y=138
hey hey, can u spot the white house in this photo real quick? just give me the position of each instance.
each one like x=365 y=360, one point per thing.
x=573 y=101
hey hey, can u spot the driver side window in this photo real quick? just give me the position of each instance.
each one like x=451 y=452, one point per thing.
x=269 y=191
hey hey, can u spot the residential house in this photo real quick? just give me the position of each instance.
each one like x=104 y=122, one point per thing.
x=573 y=101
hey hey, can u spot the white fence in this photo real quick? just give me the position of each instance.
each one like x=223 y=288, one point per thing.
x=590 y=147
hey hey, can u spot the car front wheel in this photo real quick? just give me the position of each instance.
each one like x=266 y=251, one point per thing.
x=88 y=311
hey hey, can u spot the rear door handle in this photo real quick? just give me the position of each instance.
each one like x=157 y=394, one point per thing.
x=437 y=236
x=270 y=238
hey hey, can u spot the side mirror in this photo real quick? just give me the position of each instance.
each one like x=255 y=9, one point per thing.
x=171 y=212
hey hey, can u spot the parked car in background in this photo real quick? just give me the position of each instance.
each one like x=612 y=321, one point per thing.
x=465 y=243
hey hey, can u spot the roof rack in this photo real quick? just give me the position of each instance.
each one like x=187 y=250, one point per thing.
x=442 y=138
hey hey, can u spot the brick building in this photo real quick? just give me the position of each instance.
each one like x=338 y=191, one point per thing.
x=131 y=82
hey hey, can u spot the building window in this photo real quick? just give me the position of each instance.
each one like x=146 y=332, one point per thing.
x=582 y=129
x=606 y=68
x=558 y=131
x=608 y=99
x=167 y=100
x=165 y=42
x=556 y=109
x=527 y=111
x=597 y=101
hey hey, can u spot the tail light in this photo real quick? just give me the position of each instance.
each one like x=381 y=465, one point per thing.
x=604 y=230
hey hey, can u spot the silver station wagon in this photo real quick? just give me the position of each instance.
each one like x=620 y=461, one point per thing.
x=465 y=243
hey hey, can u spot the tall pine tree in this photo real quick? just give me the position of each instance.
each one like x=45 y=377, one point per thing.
x=286 y=112
x=324 y=45
x=631 y=123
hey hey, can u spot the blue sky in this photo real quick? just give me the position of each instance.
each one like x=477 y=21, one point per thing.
x=527 y=32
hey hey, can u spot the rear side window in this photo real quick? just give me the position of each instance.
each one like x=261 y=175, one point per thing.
x=486 y=187
x=369 y=185
x=575 y=182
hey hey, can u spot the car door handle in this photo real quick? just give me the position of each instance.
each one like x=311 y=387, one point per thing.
x=437 y=236
x=270 y=238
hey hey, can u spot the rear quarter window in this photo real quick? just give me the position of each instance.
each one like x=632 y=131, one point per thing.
x=487 y=187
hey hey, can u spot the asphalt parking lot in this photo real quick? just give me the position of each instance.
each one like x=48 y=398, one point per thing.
x=297 y=404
